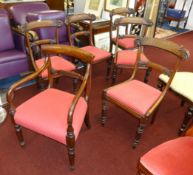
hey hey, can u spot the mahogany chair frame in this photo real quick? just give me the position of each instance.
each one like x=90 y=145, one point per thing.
x=168 y=46
x=74 y=22
x=123 y=12
x=125 y=21
x=84 y=90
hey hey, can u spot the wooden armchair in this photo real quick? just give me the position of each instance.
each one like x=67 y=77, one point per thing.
x=123 y=42
x=33 y=47
x=138 y=98
x=126 y=58
x=75 y=35
x=54 y=113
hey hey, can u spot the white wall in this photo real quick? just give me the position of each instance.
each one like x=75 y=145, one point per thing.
x=79 y=6
x=179 y=5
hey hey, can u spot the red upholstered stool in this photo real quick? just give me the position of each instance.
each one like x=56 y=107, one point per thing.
x=174 y=157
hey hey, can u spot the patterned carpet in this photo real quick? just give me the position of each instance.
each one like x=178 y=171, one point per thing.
x=100 y=150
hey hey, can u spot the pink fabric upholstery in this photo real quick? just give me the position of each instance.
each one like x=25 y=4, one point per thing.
x=98 y=53
x=46 y=113
x=126 y=43
x=169 y=158
x=128 y=57
x=135 y=95
x=58 y=63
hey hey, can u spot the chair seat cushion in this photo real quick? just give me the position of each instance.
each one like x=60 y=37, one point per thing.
x=128 y=57
x=181 y=84
x=58 y=63
x=11 y=55
x=46 y=113
x=172 y=157
x=98 y=53
x=125 y=43
x=135 y=95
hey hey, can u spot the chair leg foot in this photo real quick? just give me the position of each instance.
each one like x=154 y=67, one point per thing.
x=138 y=135
x=72 y=167
x=70 y=141
x=109 y=65
x=75 y=84
x=147 y=74
x=87 y=120
x=160 y=85
x=19 y=135
x=114 y=74
x=154 y=116
x=182 y=103
x=104 y=109
x=188 y=116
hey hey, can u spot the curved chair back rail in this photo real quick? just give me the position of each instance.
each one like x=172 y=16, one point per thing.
x=122 y=11
x=72 y=51
x=132 y=20
x=80 y=17
x=170 y=46
x=41 y=24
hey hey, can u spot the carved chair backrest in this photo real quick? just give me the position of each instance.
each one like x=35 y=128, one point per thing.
x=121 y=12
x=74 y=21
x=33 y=43
x=173 y=50
x=132 y=20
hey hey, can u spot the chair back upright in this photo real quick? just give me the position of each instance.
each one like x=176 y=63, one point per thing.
x=168 y=46
x=33 y=43
x=75 y=30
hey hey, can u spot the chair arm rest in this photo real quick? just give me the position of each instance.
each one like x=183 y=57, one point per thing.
x=77 y=96
x=15 y=86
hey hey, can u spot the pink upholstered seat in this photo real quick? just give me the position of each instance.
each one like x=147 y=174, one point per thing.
x=34 y=114
x=128 y=57
x=174 y=157
x=98 y=53
x=126 y=43
x=135 y=95
x=58 y=63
